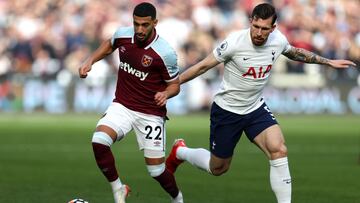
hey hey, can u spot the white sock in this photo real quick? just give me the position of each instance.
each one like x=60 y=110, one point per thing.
x=280 y=179
x=116 y=185
x=178 y=199
x=198 y=157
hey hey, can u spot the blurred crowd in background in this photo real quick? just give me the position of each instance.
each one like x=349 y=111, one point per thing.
x=48 y=39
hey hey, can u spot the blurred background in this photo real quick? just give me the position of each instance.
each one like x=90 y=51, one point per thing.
x=43 y=42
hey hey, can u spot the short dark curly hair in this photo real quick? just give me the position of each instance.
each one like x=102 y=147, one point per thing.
x=145 y=9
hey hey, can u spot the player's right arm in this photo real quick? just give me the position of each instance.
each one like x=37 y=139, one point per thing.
x=101 y=52
x=199 y=68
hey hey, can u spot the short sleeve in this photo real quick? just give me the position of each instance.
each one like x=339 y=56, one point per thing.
x=286 y=48
x=285 y=43
x=224 y=50
x=122 y=32
x=172 y=67
x=169 y=58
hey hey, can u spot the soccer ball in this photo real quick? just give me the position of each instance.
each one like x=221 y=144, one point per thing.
x=78 y=201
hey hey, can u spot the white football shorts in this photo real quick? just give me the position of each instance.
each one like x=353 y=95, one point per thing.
x=149 y=129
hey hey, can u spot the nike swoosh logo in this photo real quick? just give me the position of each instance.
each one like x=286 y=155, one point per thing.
x=245 y=58
x=287 y=181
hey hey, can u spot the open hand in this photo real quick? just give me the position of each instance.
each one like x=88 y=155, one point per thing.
x=341 y=63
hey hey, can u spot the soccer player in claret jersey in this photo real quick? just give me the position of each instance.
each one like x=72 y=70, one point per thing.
x=148 y=75
x=248 y=56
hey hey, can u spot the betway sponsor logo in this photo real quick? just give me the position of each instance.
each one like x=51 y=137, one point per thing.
x=127 y=68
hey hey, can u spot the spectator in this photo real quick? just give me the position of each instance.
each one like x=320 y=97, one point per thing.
x=28 y=25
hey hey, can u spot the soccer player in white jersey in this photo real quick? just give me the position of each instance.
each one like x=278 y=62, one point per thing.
x=248 y=56
x=148 y=75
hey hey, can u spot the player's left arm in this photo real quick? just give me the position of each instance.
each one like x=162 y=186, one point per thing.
x=303 y=55
x=172 y=89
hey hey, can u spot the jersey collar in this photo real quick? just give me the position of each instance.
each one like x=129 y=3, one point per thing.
x=149 y=42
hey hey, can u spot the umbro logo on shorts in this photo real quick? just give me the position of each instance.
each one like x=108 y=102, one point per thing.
x=157 y=143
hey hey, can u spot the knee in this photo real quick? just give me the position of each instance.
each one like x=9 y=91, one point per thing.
x=218 y=171
x=279 y=151
x=283 y=150
x=156 y=170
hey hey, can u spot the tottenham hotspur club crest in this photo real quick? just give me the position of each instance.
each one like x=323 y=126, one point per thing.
x=146 y=60
x=273 y=55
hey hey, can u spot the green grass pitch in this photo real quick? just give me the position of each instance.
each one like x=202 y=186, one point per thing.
x=48 y=158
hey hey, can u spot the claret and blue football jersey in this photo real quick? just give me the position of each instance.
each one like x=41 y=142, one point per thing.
x=143 y=71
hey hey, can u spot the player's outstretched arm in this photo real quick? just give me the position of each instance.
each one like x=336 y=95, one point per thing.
x=104 y=49
x=302 y=55
x=199 y=68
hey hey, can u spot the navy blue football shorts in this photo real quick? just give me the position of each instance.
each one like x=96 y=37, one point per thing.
x=227 y=127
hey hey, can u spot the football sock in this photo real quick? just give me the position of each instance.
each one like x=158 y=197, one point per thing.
x=198 y=157
x=168 y=183
x=280 y=179
x=178 y=198
x=116 y=184
x=105 y=161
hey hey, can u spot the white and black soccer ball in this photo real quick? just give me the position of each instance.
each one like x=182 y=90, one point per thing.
x=78 y=201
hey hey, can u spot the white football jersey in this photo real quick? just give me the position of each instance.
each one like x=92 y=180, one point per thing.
x=247 y=69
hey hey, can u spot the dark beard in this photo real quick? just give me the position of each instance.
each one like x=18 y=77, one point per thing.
x=141 y=43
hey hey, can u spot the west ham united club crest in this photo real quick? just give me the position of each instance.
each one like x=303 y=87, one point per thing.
x=146 y=60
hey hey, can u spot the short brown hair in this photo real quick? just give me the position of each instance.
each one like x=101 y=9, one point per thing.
x=264 y=11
